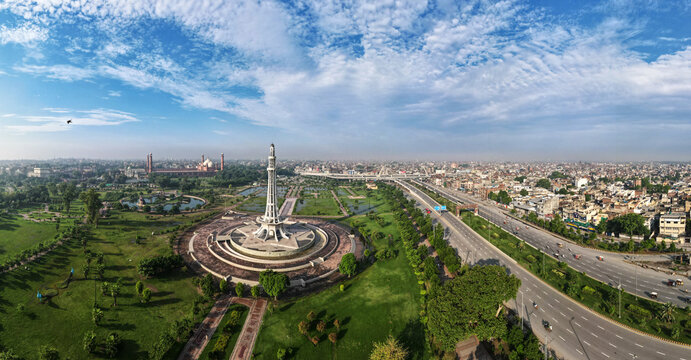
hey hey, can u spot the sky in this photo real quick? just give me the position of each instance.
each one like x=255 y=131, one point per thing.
x=392 y=79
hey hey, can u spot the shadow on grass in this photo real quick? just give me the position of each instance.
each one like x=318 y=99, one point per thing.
x=119 y=326
x=413 y=336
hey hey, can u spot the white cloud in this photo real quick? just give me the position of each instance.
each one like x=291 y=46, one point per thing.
x=448 y=68
x=53 y=123
x=26 y=34
x=113 y=93
x=221 y=132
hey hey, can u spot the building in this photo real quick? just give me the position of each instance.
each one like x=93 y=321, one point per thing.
x=672 y=225
x=39 y=172
x=205 y=168
x=581 y=182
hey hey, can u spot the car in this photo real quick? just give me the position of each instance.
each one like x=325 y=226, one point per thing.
x=653 y=295
x=556 y=255
x=601 y=258
x=577 y=256
x=672 y=283
x=560 y=244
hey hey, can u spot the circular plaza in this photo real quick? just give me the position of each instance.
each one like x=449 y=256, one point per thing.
x=237 y=247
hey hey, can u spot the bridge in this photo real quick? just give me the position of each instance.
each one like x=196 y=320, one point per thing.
x=378 y=176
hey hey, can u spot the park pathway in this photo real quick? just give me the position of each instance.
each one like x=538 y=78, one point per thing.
x=343 y=210
x=245 y=344
x=203 y=333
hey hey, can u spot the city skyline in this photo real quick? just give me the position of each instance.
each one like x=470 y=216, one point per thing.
x=510 y=80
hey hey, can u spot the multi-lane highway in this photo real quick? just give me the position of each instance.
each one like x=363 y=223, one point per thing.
x=613 y=269
x=577 y=332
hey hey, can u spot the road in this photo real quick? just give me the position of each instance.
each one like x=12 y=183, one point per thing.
x=613 y=270
x=578 y=333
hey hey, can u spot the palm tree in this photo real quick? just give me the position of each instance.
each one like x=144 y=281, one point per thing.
x=666 y=312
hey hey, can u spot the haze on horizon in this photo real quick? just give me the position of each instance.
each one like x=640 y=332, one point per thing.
x=410 y=80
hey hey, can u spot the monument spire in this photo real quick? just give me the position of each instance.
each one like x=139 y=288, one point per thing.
x=271 y=223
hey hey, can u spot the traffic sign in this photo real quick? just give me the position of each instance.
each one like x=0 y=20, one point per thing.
x=437 y=208
x=443 y=208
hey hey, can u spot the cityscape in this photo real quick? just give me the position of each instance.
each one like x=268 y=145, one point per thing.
x=383 y=180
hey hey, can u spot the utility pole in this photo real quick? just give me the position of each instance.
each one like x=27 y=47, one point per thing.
x=522 y=311
x=619 y=287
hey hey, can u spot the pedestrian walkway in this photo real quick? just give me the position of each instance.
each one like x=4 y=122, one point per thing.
x=343 y=210
x=245 y=344
x=201 y=336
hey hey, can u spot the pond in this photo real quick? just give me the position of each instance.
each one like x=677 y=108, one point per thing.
x=186 y=203
x=249 y=191
x=359 y=206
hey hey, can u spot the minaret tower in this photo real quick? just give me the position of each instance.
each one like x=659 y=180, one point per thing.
x=271 y=224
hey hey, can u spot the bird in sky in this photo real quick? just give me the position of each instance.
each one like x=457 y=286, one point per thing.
x=69 y=121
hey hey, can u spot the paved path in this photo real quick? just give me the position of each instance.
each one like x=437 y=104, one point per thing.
x=245 y=344
x=201 y=336
x=343 y=210
x=287 y=208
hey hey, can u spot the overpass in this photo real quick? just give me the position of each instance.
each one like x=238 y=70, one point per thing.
x=375 y=177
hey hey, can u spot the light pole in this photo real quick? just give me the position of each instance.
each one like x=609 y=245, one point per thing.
x=619 y=288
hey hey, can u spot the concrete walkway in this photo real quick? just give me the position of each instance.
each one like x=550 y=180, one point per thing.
x=201 y=336
x=245 y=344
x=343 y=210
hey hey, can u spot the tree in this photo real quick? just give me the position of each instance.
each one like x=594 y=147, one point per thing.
x=9 y=354
x=114 y=292
x=223 y=286
x=239 y=289
x=89 y=341
x=348 y=264
x=321 y=326
x=96 y=315
x=146 y=295
x=69 y=194
x=207 y=285
x=630 y=224
x=333 y=337
x=666 y=312
x=303 y=327
x=544 y=183
x=390 y=349
x=48 y=353
x=111 y=345
x=255 y=291
x=274 y=283
x=311 y=315
x=524 y=192
x=139 y=287
x=468 y=304
x=92 y=205
x=85 y=270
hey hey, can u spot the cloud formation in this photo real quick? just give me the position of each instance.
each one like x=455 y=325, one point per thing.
x=499 y=73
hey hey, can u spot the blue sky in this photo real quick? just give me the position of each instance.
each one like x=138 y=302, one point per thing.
x=461 y=80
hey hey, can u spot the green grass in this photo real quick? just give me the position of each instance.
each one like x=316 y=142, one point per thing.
x=604 y=299
x=324 y=204
x=233 y=339
x=17 y=234
x=382 y=300
x=257 y=204
x=63 y=321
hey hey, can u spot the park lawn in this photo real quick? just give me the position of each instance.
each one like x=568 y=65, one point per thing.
x=636 y=312
x=324 y=204
x=17 y=234
x=63 y=321
x=244 y=310
x=382 y=300
x=374 y=202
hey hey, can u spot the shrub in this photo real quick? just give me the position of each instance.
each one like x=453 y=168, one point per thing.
x=639 y=311
x=530 y=258
x=588 y=290
x=239 y=289
x=159 y=265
